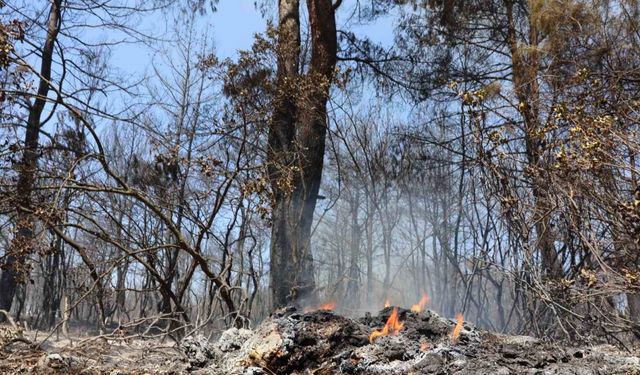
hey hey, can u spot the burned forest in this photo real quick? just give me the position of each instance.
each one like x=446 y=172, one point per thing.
x=320 y=187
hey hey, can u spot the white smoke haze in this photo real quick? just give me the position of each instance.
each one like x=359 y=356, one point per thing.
x=388 y=230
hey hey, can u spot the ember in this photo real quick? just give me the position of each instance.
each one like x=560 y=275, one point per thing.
x=392 y=327
x=419 y=307
x=424 y=346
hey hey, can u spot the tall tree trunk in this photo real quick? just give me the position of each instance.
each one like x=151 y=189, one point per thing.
x=52 y=287
x=369 y=251
x=296 y=145
x=352 y=294
x=525 y=67
x=15 y=270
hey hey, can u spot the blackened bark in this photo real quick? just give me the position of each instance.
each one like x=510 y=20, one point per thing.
x=52 y=287
x=14 y=269
x=296 y=145
x=352 y=295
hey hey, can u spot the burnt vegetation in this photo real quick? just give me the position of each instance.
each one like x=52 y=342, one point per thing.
x=466 y=171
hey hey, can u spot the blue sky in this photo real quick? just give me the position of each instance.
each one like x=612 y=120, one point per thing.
x=232 y=28
x=234 y=25
x=237 y=21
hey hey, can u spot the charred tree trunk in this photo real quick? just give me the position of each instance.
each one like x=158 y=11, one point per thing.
x=633 y=301
x=52 y=287
x=15 y=270
x=352 y=295
x=121 y=291
x=369 y=251
x=296 y=145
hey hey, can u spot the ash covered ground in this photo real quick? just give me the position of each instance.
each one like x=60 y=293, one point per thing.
x=323 y=342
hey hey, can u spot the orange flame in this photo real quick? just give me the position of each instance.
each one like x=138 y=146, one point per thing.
x=418 y=307
x=456 y=330
x=392 y=327
x=329 y=306
x=387 y=303
x=424 y=346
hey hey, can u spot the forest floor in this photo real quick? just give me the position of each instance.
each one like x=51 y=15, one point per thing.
x=319 y=342
x=82 y=355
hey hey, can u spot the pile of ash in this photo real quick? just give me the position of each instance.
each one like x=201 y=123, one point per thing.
x=322 y=343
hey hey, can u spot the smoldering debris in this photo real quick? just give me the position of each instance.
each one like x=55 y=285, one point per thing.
x=322 y=342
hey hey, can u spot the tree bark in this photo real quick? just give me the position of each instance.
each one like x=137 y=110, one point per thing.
x=296 y=146
x=525 y=68
x=352 y=294
x=15 y=270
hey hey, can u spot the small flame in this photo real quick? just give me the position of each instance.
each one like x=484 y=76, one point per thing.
x=329 y=306
x=456 y=330
x=419 y=307
x=387 y=303
x=392 y=327
x=424 y=346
